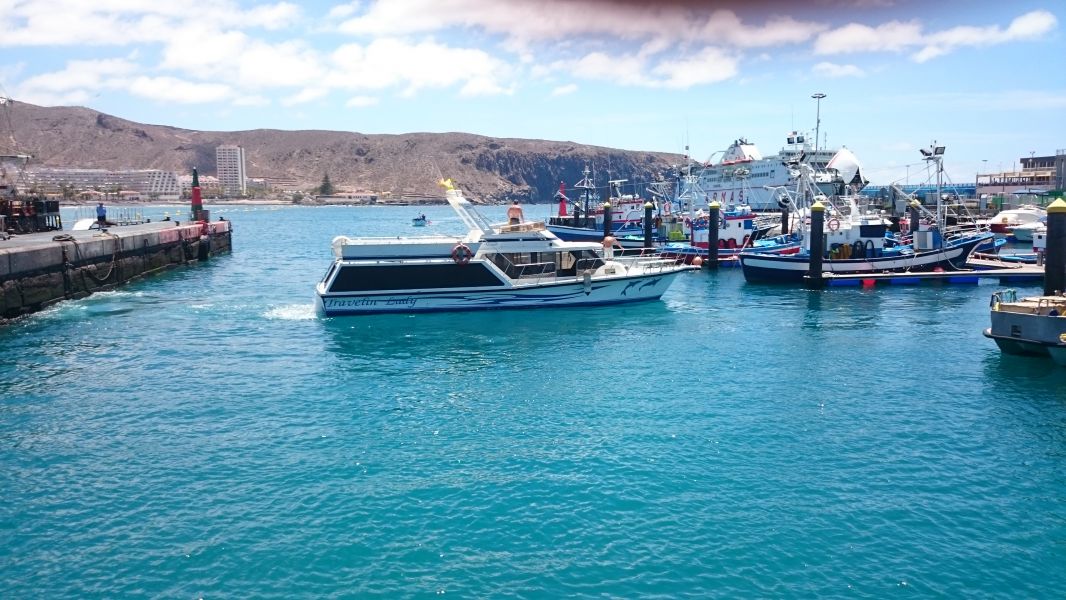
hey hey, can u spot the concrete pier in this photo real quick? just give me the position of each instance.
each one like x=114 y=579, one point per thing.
x=37 y=270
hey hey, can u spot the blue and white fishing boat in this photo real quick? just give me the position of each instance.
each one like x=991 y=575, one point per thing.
x=419 y=221
x=493 y=266
x=585 y=224
x=855 y=243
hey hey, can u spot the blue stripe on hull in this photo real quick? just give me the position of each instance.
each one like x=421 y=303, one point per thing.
x=346 y=313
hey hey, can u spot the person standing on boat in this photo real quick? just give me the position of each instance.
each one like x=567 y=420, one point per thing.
x=514 y=214
x=101 y=215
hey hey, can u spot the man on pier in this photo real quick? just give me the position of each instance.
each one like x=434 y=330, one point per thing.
x=101 y=215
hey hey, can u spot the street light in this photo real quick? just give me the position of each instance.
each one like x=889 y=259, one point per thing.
x=818 y=123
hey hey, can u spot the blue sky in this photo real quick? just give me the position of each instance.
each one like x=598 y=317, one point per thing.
x=983 y=78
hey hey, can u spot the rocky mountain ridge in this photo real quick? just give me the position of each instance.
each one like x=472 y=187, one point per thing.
x=488 y=169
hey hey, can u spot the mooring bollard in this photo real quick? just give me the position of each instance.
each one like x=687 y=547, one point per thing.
x=817 y=238
x=712 y=234
x=1055 y=255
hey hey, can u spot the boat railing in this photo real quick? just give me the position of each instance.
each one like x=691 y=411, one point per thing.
x=515 y=270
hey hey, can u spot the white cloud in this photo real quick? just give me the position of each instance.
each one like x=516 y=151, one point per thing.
x=897 y=36
x=79 y=81
x=725 y=28
x=396 y=63
x=250 y=62
x=828 y=69
x=894 y=36
x=253 y=100
x=621 y=70
x=127 y=22
x=564 y=90
x=1026 y=27
x=342 y=11
x=710 y=65
x=484 y=86
x=361 y=101
x=304 y=96
x=172 y=89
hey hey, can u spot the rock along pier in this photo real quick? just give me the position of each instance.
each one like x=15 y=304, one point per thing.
x=40 y=269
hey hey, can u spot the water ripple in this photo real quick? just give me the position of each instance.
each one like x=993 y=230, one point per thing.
x=201 y=433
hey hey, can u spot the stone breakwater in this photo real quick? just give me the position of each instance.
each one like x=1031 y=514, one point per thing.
x=38 y=270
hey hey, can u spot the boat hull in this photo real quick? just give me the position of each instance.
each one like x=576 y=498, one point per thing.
x=575 y=292
x=759 y=267
x=581 y=234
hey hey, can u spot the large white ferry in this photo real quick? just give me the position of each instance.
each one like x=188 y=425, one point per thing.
x=745 y=176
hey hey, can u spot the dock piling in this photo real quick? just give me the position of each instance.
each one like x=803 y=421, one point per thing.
x=1055 y=258
x=606 y=219
x=712 y=234
x=814 y=277
x=648 y=238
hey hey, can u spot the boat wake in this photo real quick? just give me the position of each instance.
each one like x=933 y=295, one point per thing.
x=292 y=312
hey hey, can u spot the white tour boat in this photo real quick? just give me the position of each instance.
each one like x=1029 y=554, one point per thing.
x=493 y=266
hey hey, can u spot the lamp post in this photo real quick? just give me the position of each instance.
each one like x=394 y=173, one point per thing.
x=818 y=122
x=984 y=167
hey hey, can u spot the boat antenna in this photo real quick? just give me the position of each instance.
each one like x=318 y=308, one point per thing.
x=818 y=122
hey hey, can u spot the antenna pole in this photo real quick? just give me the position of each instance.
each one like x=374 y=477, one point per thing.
x=818 y=123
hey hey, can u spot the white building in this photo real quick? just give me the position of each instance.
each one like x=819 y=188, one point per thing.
x=150 y=184
x=229 y=161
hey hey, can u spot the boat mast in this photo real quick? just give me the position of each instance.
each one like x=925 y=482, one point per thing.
x=936 y=155
x=585 y=184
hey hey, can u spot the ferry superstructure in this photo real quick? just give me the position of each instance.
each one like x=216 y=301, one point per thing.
x=744 y=176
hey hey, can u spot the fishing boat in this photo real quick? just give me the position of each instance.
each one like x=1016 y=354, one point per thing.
x=1011 y=218
x=419 y=221
x=1025 y=231
x=855 y=241
x=778 y=244
x=738 y=228
x=1033 y=326
x=493 y=266
x=586 y=223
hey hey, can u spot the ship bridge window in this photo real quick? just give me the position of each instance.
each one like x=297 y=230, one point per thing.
x=799 y=139
x=792 y=140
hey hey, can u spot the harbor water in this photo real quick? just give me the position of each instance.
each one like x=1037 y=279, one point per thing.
x=203 y=434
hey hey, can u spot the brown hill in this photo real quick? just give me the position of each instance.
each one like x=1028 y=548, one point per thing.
x=489 y=169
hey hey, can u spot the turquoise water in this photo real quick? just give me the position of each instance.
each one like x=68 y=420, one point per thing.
x=202 y=433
